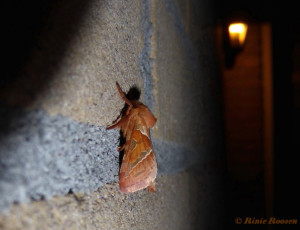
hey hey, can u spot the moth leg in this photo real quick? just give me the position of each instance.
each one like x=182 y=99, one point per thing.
x=128 y=102
x=151 y=187
x=118 y=124
x=113 y=126
x=121 y=148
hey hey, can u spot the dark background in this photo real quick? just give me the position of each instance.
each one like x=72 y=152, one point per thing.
x=284 y=19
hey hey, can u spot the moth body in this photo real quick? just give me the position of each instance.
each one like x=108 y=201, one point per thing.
x=139 y=168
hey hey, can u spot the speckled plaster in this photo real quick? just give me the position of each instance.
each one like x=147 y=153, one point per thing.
x=42 y=156
x=173 y=206
x=186 y=108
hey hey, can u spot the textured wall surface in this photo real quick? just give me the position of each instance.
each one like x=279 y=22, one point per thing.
x=59 y=165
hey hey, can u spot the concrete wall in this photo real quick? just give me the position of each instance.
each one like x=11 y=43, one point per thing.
x=58 y=164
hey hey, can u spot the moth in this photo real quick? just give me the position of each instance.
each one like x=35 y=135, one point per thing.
x=139 y=168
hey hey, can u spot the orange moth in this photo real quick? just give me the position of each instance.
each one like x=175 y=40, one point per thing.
x=139 y=168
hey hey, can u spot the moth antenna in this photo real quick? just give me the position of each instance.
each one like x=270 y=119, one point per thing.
x=128 y=102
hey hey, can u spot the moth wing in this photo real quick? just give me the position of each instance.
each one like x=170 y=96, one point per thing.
x=139 y=167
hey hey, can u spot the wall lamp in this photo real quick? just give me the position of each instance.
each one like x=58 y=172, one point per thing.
x=237 y=34
x=235 y=37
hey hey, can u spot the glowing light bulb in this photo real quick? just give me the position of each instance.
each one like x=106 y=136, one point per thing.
x=237 y=34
